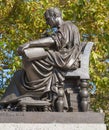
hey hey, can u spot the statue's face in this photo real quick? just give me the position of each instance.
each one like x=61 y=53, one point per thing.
x=51 y=20
x=53 y=17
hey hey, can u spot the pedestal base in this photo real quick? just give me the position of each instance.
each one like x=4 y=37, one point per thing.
x=51 y=117
x=51 y=121
x=53 y=126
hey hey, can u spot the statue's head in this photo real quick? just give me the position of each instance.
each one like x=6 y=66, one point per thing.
x=52 y=16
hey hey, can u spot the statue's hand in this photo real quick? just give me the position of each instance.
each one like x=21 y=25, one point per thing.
x=21 y=48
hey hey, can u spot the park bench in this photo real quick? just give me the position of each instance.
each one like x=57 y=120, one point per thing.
x=76 y=82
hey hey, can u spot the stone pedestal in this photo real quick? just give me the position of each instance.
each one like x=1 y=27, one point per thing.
x=51 y=121
x=53 y=126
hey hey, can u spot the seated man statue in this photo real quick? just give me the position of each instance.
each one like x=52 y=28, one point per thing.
x=45 y=62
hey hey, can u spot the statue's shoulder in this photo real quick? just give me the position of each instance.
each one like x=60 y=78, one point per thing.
x=70 y=24
x=66 y=24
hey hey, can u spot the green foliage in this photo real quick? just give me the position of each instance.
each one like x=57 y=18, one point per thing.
x=22 y=21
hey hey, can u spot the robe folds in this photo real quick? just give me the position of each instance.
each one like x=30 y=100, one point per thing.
x=46 y=74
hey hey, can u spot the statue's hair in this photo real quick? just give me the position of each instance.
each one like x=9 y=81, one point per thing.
x=53 y=11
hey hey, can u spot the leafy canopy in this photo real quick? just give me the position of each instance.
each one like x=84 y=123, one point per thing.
x=22 y=21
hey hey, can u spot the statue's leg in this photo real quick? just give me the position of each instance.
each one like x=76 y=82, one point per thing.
x=84 y=95
x=31 y=68
x=60 y=100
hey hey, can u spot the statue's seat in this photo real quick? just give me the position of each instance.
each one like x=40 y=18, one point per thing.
x=76 y=84
x=83 y=71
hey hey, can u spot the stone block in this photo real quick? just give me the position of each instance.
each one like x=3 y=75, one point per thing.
x=52 y=121
x=51 y=126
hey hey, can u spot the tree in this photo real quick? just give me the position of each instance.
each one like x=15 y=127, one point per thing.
x=22 y=21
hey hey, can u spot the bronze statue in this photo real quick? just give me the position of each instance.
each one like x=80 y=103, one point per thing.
x=45 y=62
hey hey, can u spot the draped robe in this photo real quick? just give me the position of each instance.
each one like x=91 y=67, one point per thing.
x=48 y=72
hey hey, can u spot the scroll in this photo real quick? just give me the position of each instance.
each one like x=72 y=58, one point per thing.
x=35 y=53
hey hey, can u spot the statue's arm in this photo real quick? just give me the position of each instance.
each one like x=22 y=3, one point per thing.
x=43 y=42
